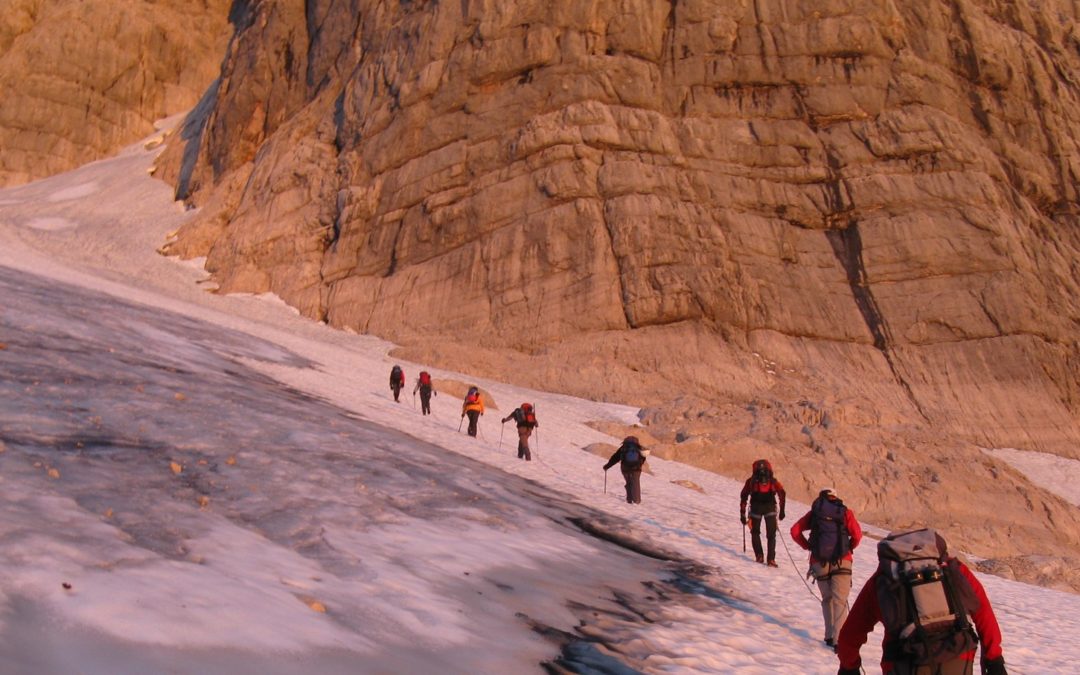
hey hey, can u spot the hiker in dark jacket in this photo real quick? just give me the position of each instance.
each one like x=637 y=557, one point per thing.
x=427 y=389
x=834 y=534
x=762 y=490
x=877 y=602
x=631 y=459
x=397 y=381
x=525 y=418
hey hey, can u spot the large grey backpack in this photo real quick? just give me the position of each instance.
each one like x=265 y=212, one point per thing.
x=924 y=599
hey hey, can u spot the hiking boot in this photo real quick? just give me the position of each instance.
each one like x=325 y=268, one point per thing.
x=760 y=559
x=772 y=563
x=831 y=643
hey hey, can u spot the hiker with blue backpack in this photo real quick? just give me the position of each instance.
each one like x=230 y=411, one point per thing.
x=834 y=534
x=397 y=381
x=631 y=459
x=935 y=612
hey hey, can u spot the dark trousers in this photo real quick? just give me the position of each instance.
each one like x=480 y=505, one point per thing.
x=397 y=391
x=474 y=415
x=425 y=400
x=633 y=485
x=954 y=667
x=770 y=533
x=523 y=443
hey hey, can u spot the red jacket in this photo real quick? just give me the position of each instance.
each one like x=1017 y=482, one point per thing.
x=803 y=525
x=762 y=496
x=865 y=613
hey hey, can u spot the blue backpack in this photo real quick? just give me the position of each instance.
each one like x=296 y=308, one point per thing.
x=829 y=539
x=632 y=456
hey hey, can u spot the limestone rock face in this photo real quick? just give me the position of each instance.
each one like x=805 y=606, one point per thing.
x=868 y=209
x=79 y=79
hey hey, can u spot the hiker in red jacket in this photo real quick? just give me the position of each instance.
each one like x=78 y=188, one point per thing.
x=928 y=602
x=762 y=490
x=427 y=389
x=834 y=534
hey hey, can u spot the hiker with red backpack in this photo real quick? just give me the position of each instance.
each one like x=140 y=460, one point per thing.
x=834 y=534
x=935 y=612
x=631 y=459
x=473 y=406
x=397 y=381
x=427 y=390
x=762 y=490
x=525 y=417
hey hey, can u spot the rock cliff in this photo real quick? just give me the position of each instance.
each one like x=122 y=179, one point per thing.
x=841 y=234
x=80 y=79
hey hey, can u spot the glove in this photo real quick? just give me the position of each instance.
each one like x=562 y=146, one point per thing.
x=848 y=671
x=781 y=515
x=742 y=518
x=995 y=667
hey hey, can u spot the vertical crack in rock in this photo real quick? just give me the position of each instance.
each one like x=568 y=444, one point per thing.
x=847 y=247
x=623 y=293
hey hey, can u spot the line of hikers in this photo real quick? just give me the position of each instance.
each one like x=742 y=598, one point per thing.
x=472 y=407
x=934 y=610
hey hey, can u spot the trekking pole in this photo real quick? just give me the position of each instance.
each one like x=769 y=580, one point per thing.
x=414 y=400
x=744 y=536
x=460 y=423
x=502 y=428
x=605 y=490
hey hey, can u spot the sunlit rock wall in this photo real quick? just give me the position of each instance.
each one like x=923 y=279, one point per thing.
x=80 y=79
x=831 y=198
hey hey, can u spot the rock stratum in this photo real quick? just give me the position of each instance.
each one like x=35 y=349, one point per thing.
x=80 y=79
x=841 y=235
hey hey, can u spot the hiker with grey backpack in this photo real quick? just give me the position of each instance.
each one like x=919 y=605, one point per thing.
x=935 y=612
x=834 y=534
x=631 y=460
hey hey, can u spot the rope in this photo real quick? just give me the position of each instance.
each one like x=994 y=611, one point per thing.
x=794 y=565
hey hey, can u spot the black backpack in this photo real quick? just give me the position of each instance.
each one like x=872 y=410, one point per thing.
x=829 y=539
x=924 y=599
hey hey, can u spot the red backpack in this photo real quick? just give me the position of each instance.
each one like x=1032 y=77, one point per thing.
x=527 y=418
x=425 y=378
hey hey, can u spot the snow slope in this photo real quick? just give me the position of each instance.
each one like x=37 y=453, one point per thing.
x=227 y=487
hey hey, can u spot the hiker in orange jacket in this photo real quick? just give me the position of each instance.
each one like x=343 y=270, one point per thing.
x=473 y=406
x=834 y=534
